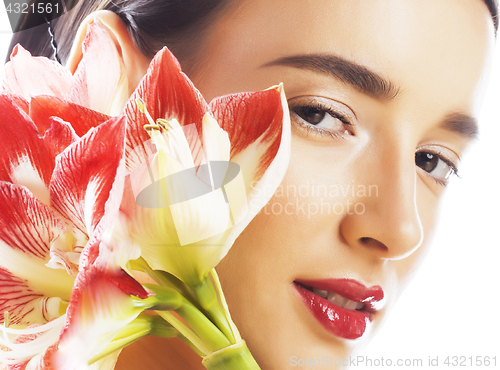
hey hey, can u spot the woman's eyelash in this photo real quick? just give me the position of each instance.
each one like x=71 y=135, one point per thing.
x=321 y=107
x=454 y=169
x=331 y=112
x=315 y=119
x=311 y=128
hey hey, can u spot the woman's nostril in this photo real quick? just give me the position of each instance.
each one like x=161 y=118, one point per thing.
x=370 y=242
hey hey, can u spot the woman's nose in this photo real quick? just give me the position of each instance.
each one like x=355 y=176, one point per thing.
x=389 y=225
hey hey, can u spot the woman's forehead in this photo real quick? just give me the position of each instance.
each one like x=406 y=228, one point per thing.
x=441 y=46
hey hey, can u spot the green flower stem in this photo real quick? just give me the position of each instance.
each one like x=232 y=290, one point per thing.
x=207 y=296
x=163 y=278
x=168 y=299
x=163 y=329
x=190 y=344
x=141 y=326
x=186 y=332
x=225 y=307
x=165 y=299
x=203 y=327
x=234 y=357
x=117 y=345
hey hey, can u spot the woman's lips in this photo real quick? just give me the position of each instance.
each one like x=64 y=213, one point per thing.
x=343 y=306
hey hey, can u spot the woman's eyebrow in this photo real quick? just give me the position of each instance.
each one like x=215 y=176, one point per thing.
x=356 y=75
x=462 y=124
x=370 y=83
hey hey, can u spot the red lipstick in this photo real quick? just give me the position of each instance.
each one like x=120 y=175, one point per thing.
x=343 y=322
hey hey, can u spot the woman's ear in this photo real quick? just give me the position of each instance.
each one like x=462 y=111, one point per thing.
x=135 y=63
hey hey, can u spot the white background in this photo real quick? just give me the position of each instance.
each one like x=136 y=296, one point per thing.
x=452 y=307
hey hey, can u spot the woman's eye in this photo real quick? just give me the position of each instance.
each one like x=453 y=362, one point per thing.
x=322 y=120
x=438 y=167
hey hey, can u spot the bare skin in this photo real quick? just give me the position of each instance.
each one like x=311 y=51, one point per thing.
x=433 y=54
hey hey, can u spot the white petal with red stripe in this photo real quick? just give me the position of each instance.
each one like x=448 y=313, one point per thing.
x=100 y=82
x=27 y=230
x=30 y=76
x=85 y=175
x=258 y=125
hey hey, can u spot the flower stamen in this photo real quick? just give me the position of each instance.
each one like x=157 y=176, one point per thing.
x=150 y=128
x=152 y=125
x=6 y=316
x=160 y=125
x=163 y=123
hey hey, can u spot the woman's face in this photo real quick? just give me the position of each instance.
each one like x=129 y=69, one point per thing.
x=383 y=96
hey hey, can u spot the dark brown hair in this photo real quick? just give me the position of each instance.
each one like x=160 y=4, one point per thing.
x=152 y=24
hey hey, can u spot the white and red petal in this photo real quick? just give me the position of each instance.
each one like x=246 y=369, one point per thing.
x=26 y=224
x=173 y=216
x=27 y=230
x=85 y=175
x=258 y=125
x=25 y=158
x=254 y=121
x=28 y=159
x=24 y=305
x=30 y=348
x=82 y=119
x=30 y=76
x=100 y=306
x=100 y=82
x=41 y=361
x=59 y=135
x=64 y=254
x=167 y=93
x=102 y=89
x=22 y=103
x=217 y=144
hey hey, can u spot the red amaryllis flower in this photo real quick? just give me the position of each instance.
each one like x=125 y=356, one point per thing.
x=99 y=83
x=203 y=171
x=231 y=155
x=54 y=192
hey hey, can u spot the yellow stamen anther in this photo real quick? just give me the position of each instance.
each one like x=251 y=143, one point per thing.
x=6 y=316
x=163 y=123
x=142 y=107
x=150 y=127
x=140 y=104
